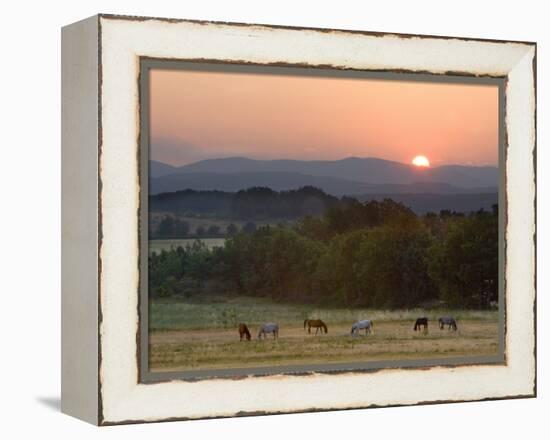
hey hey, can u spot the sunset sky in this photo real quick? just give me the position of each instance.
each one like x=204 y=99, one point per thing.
x=198 y=115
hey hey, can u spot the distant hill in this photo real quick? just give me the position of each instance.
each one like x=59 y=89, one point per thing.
x=281 y=181
x=157 y=169
x=364 y=170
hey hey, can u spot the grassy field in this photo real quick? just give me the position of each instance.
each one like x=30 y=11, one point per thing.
x=203 y=335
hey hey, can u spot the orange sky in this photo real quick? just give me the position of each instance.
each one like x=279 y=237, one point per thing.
x=198 y=115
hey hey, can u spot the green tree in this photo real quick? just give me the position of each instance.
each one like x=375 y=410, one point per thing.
x=198 y=263
x=249 y=227
x=392 y=266
x=291 y=262
x=166 y=227
x=181 y=228
x=337 y=275
x=465 y=262
x=314 y=228
x=165 y=270
x=213 y=230
x=232 y=229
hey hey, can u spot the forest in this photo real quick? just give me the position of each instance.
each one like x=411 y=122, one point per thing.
x=253 y=203
x=178 y=214
x=377 y=254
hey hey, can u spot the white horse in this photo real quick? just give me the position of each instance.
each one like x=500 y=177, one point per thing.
x=366 y=324
x=447 y=320
x=269 y=327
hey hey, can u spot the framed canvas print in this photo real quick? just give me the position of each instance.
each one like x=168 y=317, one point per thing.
x=262 y=219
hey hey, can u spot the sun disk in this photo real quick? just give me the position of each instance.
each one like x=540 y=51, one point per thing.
x=421 y=161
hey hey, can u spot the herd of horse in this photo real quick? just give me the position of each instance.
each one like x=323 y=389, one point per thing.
x=421 y=324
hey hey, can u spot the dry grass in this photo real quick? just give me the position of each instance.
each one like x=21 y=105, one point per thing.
x=392 y=339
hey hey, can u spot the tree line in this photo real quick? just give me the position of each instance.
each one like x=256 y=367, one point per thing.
x=252 y=204
x=376 y=254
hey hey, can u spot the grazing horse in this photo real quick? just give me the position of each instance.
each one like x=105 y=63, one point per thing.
x=269 y=327
x=421 y=322
x=447 y=320
x=366 y=324
x=243 y=331
x=317 y=323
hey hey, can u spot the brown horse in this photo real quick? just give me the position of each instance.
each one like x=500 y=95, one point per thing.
x=243 y=331
x=317 y=323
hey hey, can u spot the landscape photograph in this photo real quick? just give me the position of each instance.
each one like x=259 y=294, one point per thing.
x=308 y=218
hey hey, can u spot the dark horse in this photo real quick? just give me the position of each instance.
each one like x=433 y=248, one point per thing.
x=447 y=320
x=317 y=323
x=243 y=331
x=421 y=322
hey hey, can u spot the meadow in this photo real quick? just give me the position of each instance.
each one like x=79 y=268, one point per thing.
x=203 y=334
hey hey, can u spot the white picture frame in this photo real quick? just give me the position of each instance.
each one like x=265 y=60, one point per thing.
x=101 y=201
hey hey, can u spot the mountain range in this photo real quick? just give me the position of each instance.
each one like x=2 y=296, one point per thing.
x=350 y=176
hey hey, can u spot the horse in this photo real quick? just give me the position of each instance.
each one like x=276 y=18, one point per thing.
x=366 y=324
x=317 y=323
x=243 y=331
x=269 y=327
x=421 y=322
x=447 y=320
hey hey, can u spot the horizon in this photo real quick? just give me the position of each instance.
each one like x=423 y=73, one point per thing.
x=197 y=115
x=325 y=160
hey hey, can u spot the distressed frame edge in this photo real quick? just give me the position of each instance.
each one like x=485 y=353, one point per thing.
x=142 y=18
x=532 y=116
x=535 y=208
x=316 y=410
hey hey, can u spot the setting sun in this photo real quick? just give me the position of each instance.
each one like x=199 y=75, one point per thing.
x=421 y=161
